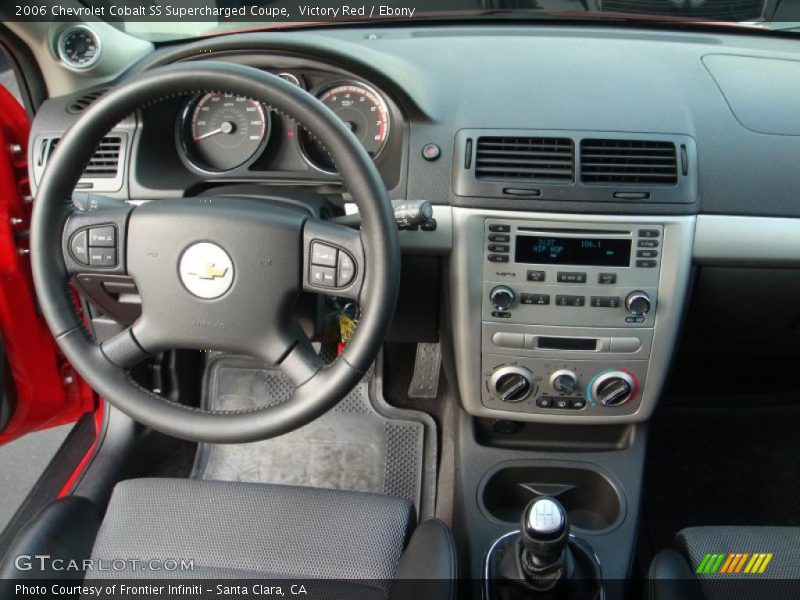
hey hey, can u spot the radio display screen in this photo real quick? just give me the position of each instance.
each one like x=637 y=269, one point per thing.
x=573 y=251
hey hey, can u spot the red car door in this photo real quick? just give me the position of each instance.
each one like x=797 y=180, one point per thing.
x=38 y=388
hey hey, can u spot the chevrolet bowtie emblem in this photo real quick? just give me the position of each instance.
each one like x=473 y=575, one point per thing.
x=206 y=270
x=210 y=271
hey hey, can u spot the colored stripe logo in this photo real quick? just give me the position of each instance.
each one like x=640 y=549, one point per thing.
x=735 y=563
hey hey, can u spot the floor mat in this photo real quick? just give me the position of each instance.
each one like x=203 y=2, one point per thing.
x=361 y=444
x=715 y=464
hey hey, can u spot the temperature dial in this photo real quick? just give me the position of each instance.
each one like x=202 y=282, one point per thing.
x=502 y=298
x=564 y=381
x=638 y=303
x=614 y=388
x=511 y=384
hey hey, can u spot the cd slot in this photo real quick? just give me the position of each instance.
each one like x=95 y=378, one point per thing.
x=566 y=343
x=569 y=231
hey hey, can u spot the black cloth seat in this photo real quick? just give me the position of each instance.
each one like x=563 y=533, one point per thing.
x=237 y=531
x=674 y=572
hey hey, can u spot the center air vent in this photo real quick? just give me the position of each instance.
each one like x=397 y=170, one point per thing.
x=628 y=161
x=85 y=101
x=104 y=162
x=520 y=159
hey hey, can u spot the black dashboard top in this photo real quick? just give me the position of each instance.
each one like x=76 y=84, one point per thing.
x=629 y=84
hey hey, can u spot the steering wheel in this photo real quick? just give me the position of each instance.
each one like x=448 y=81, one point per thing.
x=219 y=273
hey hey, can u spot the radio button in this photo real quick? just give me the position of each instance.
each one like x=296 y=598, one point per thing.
x=647 y=243
x=646 y=264
x=540 y=299
x=497 y=228
x=565 y=300
x=508 y=340
x=646 y=253
x=607 y=278
x=536 y=275
x=570 y=277
x=498 y=258
x=605 y=301
x=649 y=233
x=499 y=237
x=497 y=248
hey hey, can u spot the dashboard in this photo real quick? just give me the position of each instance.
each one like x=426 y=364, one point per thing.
x=575 y=186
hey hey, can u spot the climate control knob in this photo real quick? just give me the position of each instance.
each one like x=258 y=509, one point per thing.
x=638 y=303
x=614 y=388
x=564 y=381
x=511 y=384
x=502 y=298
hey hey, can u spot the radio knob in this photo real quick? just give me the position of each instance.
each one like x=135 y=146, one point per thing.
x=638 y=303
x=502 y=298
x=614 y=388
x=564 y=381
x=511 y=384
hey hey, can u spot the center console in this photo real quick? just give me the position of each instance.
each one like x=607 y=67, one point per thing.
x=566 y=318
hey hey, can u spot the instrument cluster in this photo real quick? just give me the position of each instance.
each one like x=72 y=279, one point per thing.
x=221 y=133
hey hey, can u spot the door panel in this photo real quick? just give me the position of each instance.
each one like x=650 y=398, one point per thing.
x=40 y=389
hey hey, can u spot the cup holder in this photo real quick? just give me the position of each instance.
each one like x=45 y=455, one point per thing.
x=591 y=500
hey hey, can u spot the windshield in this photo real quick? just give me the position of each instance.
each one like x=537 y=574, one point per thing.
x=179 y=19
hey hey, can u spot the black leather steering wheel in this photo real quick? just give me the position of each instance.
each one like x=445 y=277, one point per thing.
x=215 y=272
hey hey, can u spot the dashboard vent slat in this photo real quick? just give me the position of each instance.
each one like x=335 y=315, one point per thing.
x=85 y=101
x=535 y=159
x=104 y=162
x=629 y=161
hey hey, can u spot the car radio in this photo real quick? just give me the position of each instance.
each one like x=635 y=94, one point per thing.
x=568 y=314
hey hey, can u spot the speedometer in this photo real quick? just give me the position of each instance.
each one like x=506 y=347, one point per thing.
x=221 y=131
x=362 y=109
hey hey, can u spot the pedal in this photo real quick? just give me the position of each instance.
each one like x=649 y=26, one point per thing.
x=428 y=363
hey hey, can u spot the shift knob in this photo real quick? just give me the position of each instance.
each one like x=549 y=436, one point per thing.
x=544 y=533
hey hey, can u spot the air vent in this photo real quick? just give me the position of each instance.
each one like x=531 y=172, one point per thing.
x=85 y=101
x=628 y=161
x=722 y=10
x=105 y=161
x=520 y=159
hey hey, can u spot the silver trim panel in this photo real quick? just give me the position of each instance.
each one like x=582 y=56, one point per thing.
x=466 y=277
x=747 y=241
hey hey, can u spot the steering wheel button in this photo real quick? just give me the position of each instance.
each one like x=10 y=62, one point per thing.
x=322 y=254
x=347 y=270
x=322 y=276
x=105 y=237
x=102 y=257
x=79 y=248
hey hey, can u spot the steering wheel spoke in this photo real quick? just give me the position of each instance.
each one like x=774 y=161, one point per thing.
x=301 y=363
x=94 y=241
x=333 y=260
x=124 y=350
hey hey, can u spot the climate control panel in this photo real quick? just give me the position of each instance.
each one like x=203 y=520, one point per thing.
x=547 y=386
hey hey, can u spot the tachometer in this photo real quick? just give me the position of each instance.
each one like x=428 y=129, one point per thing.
x=362 y=109
x=221 y=132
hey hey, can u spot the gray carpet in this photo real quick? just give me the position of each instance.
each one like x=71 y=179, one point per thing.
x=361 y=444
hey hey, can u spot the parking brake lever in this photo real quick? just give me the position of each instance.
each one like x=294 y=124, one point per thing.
x=408 y=214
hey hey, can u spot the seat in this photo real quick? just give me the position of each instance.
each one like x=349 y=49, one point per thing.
x=197 y=529
x=686 y=573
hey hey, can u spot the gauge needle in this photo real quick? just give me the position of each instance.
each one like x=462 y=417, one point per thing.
x=226 y=127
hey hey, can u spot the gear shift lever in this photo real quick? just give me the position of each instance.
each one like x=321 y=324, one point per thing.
x=544 y=534
x=543 y=561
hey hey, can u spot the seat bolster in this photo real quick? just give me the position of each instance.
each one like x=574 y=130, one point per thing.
x=428 y=567
x=64 y=531
x=670 y=578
